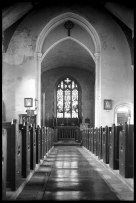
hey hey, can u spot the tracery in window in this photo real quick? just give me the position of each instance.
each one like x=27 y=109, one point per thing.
x=67 y=99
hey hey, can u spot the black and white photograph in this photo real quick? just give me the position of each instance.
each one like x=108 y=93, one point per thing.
x=67 y=100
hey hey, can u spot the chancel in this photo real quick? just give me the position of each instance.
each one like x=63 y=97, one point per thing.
x=68 y=100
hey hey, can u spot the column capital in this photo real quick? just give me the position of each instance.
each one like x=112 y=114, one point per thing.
x=97 y=54
x=38 y=54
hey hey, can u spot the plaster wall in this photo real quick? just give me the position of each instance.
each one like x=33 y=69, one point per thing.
x=18 y=82
x=86 y=81
x=116 y=73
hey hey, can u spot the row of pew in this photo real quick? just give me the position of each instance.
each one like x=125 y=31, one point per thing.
x=23 y=146
x=114 y=145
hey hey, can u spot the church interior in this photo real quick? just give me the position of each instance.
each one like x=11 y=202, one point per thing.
x=68 y=100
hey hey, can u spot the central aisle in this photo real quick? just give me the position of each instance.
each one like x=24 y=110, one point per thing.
x=73 y=177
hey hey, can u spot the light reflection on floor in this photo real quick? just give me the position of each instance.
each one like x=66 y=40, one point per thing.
x=74 y=178
x=71 y=174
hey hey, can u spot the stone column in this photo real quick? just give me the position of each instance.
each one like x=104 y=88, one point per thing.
x=38 y=86
x=132 y=88
x=97 y=90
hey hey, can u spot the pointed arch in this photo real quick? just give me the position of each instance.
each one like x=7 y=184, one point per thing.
x=67 y=87
x=64 y=39
x=78 y=19
x=75 y=18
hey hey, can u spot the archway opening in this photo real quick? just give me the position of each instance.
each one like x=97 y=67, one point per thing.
x=123 y=115
x=69 y=59
x=94 y=55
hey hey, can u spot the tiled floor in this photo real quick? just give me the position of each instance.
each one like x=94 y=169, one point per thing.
x=71 y=173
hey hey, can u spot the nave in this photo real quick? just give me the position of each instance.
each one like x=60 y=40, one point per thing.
x=74 y=173
x=67 y=74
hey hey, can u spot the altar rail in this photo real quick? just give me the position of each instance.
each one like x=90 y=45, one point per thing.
x=68 y=132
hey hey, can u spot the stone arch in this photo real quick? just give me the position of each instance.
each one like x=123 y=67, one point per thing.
x=123 y=104
x=97 y=55
x=66 y=38
x=60 y=19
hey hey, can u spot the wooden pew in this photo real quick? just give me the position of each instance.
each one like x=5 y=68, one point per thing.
x=89 y=135
x=87 y=141
x=4 y=162
x=105 y=144
x=126 y=151
x=52 y=137
x=38 y=145
x=13 y=168
x=41 y=143
x=55 y=134
x=100 y=142
x=92 y=139
x=25 y=149
x=114 y=147
x=49 y=138
x=43 y=140
x=83 y=138
x=95 y=151
x=32 y=147
x=47 y=142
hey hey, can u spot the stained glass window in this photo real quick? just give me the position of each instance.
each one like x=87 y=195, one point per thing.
x=67 y=99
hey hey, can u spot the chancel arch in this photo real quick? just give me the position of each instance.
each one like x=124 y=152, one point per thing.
x=96 y=55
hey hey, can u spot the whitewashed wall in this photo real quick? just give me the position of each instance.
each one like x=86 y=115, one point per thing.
x=19 y=65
